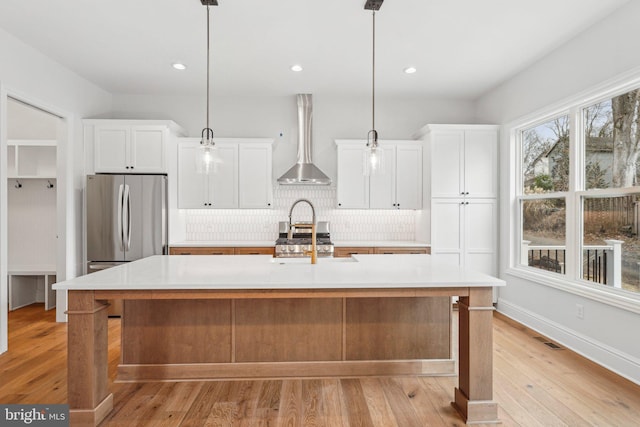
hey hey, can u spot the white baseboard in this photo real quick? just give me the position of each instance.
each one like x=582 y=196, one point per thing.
x=621 y=363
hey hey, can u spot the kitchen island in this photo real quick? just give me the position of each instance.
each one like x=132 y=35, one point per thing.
x=230 y=317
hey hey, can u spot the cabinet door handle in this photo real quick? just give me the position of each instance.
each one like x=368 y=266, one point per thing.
x=339 y=204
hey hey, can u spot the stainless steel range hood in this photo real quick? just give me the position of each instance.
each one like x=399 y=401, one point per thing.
x=304 y=172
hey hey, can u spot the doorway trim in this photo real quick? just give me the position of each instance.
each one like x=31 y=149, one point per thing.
x=65 y=256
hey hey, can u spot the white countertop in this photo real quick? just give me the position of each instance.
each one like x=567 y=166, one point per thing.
x=242 y=272
x=271 y=243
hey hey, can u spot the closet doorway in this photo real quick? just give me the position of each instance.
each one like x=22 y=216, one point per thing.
x=32 y=205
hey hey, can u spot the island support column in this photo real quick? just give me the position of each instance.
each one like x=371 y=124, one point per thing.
x=87 y=378
x=474 y=394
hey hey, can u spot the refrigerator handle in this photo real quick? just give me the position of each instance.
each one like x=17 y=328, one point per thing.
x=120 y=203
x=126 y=218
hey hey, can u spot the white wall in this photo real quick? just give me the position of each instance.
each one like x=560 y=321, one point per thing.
x=29 y=75
x=602 y=54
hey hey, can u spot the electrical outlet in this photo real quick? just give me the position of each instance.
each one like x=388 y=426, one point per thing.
x=579 y=311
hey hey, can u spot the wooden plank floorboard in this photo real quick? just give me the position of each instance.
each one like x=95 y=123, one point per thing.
x=377 y=402
x=533 y=384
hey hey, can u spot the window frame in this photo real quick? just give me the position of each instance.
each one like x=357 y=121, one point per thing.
x=571 y=281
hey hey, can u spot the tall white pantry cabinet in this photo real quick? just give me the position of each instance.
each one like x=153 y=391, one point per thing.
x=463 y=180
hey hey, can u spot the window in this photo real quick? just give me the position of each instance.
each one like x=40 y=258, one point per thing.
x=545 y=156
x=610 y=253
x=612 y=142
x=543 y=234
x=545 y=181
x=592 y=174
x=610 y=245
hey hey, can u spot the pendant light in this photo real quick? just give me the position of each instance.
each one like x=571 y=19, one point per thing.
x=373 y=160
x=208 y=158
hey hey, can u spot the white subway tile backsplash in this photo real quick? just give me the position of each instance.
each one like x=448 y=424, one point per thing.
x=262 y=224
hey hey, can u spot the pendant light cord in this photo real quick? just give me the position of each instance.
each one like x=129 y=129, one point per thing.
x=373 y=79
x=208 y=55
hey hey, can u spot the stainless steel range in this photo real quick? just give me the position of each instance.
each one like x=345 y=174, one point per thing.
x=299 y=245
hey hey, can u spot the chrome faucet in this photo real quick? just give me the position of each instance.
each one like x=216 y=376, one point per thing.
x=313 y=252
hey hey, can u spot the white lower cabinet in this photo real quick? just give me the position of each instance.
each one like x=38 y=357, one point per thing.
x=464 y=233
x=242 y=180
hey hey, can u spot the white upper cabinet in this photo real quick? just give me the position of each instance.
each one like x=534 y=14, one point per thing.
x=242 y=180
x=382 y=184
x=353 y=185
x=255 y=179
x=223 y=182
x=193 y=187
x=408 y=176
x=130 y=146
x=464 y=161
x=397 y=186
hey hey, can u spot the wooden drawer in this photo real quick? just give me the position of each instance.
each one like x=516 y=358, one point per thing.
x=396 y=250
x=201 y=251
x=256 y=251
x=348 y=251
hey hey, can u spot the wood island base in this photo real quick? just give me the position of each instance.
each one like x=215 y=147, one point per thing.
x=220 y=334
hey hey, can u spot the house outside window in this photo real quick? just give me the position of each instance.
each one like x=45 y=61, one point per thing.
x=545 y=181
x=590 y=173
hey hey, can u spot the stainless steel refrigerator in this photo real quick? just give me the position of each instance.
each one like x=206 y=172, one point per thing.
x=126 y=219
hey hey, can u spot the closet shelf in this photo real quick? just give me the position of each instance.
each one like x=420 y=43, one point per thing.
x=32 y=142
x=31 y=158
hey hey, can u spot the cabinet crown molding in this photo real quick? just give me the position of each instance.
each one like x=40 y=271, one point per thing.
x=426 y=129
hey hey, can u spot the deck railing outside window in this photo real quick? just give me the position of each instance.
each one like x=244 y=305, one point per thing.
x=601 y=264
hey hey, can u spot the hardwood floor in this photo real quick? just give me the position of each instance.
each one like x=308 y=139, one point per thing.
x=534 y=385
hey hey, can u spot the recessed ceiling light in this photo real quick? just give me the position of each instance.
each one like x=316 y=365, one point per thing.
x=410 y=70
x=296 y=68
x=179 y=66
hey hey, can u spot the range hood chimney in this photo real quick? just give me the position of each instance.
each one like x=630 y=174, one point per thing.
x=304 y=172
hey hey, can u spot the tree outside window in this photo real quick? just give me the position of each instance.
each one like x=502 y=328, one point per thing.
x=611 y=249
x=545 y=157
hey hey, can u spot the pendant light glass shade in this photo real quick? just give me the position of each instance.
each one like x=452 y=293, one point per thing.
x=207 y=158
x=373 y=159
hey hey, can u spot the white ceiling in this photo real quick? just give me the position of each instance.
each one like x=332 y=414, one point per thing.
x=461 y=48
